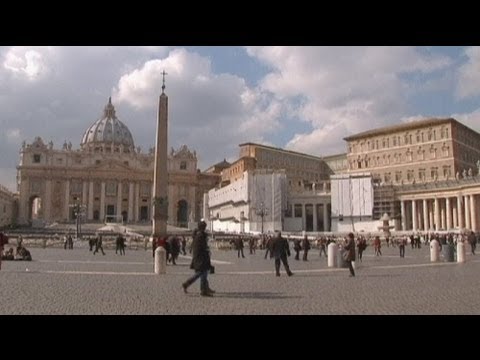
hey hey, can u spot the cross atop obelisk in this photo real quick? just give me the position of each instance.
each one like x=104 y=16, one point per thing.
x=163 y=86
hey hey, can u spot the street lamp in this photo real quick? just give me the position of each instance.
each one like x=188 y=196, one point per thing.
x=262 y=211
x=78 y=211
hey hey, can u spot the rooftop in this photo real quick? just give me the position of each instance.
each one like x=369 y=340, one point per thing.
x=401 y=127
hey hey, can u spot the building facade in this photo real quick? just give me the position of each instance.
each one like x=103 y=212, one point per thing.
x=420 y=151
x=425 y=173
x=108 y=176
x=306 y=204
x=256 y=202
x=7 y=207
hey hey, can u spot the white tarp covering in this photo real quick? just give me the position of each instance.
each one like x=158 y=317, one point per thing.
x=352 y=195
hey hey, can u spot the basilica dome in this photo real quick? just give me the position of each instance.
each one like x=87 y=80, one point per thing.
x=108 y=134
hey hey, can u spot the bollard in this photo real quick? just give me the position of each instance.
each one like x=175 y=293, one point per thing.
x=332 y=255
x=434 y=251
x=461 y=252
x=44 y=243
x=160 y=260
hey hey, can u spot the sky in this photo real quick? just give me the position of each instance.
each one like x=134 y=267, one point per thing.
x=305 y=99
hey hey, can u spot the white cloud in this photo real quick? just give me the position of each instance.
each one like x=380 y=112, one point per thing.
x=468 y=75
x=347 y=88
x=30 y=63
x=207 y=110
x=13 y=135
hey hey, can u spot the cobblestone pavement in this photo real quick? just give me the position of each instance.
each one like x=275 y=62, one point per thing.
x=77 y=282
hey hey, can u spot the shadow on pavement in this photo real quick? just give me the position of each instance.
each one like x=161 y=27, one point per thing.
x=254 y=295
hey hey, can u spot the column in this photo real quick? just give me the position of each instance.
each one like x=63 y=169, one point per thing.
x=67 y=201
x=315 y=225
x=473 y=213
x=90 y=201
x=119 y=198
x=325 y=218
x=47 y=215
x=430 y=215
x=468 y=224
x=454 y=213
x=449 y=213
x=436 y=215
x=460 y=214
x=136 y=202
x=84 y=193
x=402 y=214
x=442 y=215
x=102 y=202
x=130 y=202
x=425 y=215
x=414 y=215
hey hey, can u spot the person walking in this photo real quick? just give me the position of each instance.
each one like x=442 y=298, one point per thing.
x=280 y=250
x=99 y=245
x=297 y=247
x=200 y=261
x=305 y=247
x=349 y=254
x=239 y=246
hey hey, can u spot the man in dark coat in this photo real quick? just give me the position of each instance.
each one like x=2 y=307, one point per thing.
x=349 y=249
x=200 y=261
x=280 y=250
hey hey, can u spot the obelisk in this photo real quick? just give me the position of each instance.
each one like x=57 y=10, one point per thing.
x=160 y=175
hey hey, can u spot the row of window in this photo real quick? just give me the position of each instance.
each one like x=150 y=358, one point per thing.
x=420 y=137
x=386 y=159
x=421 y=174
x=37 y=159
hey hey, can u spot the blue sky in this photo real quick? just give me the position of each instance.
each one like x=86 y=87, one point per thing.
x=302 y=98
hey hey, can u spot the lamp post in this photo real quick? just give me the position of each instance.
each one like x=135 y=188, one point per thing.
x=78 y=211
x=262 y=211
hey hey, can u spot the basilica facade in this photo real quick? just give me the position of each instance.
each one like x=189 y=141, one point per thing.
x=107 y=178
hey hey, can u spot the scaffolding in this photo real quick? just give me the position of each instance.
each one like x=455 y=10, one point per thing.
x=384 y=201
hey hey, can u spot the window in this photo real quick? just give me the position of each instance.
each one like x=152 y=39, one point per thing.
x=410 y=175
x=409 y=155
x=388 y=177
x=36 y=158
x=59 y=161
x=76 y=188
x=421 y=155
x=183 y=165
x=298 y=210
x=433 y=153
x=97 y=162
x=111 y=189
x=434 y=172
x=394 y=141
x=447 y=171
x=446 y=151
x=421 y=174
x=398 y=176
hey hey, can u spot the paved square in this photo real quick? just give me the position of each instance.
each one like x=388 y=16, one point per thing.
x=75 y=281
